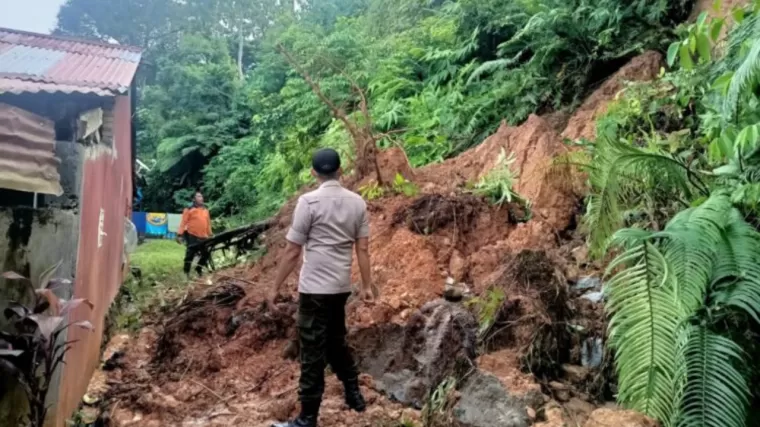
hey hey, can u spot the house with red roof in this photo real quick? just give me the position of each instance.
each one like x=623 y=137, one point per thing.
x=67 y=157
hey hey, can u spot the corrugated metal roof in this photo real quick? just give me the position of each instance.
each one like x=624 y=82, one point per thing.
x=41 y=63
x=27 y=152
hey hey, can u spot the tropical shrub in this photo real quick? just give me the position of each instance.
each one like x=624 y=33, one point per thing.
x=674 y=164
x=32 y=350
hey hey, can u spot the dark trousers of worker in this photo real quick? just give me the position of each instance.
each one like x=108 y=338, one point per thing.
x=322 y=334
x=192 y=251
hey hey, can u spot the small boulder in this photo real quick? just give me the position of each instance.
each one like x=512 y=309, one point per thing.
x=457 y=265
x=485 y=403
x=575 y=374
x=607 y=417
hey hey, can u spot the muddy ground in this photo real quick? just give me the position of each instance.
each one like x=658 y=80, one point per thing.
x=217 y=357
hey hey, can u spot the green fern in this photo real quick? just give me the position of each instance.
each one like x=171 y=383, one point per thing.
x=642 y=329
x=618 y=174
x=736 y=279
x=716 y=393
x=746 y=73
x=681 y=374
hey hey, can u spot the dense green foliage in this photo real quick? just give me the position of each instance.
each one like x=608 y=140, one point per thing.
x=674 y=171
x=675 y=162
x=221 y=110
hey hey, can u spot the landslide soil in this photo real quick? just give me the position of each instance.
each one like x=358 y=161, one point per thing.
x=208 y=363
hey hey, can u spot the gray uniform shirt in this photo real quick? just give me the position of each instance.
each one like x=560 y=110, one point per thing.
x=327 y=222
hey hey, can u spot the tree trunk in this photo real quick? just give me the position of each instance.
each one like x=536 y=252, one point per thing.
x=365 y=141
x=240 y=52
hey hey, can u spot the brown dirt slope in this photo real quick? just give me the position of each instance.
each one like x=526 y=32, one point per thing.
x=215 y=365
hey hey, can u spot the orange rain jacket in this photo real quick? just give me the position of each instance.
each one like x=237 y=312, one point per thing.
x=196 y=221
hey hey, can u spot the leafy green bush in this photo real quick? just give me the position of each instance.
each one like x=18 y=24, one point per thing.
x=403 y=186
x=666 y=301
x=34 y=347
x=676 y=162
x=371 y=191
x=487 y=308
x=439 y=77
x=497 y=184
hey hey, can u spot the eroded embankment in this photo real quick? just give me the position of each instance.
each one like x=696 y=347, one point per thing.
x=208 y=363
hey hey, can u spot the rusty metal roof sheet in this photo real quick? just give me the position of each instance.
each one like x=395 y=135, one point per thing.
x=41 y=63
x=27 y=152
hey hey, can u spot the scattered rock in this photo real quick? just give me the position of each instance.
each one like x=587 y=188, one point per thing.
x=592 y=352
x=561 y=391
x=485 y=403
x=588 y=282
x=579 y=409
x=595 y=296
x=453 y=293
x=457 y=265
x=89 y=415
x=580 y=255
x=553 y=416
x=575 y=374
x=531 y=413
x=440 y=341
x=606 y=417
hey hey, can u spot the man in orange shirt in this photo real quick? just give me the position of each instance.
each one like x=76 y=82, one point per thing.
x=194 y=228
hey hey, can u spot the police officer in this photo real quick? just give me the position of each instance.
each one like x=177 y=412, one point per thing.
x=328 y=225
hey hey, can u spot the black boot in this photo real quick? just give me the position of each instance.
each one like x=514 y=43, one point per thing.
x=354 y=398
x=308 y=417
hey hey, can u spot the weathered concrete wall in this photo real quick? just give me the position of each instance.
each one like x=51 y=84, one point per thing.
x=71 y=171
x=31 y=241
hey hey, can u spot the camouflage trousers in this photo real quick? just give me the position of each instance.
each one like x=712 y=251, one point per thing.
x=322 y=335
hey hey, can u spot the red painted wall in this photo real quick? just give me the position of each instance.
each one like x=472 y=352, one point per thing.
x=105 y=200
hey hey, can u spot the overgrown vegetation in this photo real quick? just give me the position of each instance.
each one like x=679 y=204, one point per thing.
x=673 y=181
x=497 y=184
x=486 y=308
x=160 y=280
x=222 y=108
x=437 y=411
x=33 y=348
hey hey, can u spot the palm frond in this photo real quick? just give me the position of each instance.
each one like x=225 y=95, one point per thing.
x=691 y=241
x=746 y=73
x=490 y=67
x=716 y=393
x=643 y=327
x=736 y=278
x=620 y=171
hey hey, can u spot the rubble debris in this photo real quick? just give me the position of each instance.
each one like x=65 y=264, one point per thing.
x=414 y=243
x=588 y=282
x=607 y=417
x=431 y=212
x=484 y=402
x=440 y=341
x=197 y=317
x=592 y=352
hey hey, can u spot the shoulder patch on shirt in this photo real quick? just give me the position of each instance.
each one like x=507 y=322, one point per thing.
x=310 y=198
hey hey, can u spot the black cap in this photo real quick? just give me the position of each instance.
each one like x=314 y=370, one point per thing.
x=326 y=161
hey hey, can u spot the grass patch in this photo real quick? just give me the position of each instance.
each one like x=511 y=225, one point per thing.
x=159 y=260
x=161 y=279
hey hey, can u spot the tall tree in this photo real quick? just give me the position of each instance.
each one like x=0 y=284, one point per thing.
x=142 y=23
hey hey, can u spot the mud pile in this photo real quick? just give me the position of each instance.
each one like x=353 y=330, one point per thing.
x=209 y=364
